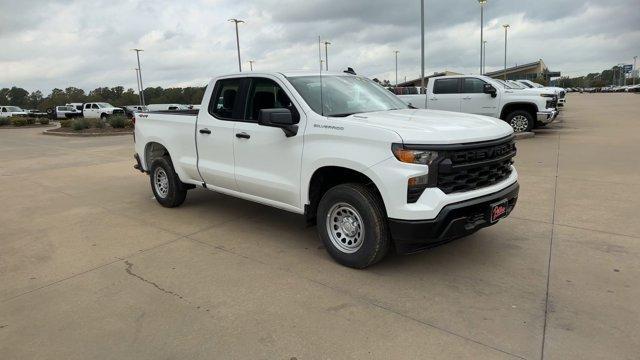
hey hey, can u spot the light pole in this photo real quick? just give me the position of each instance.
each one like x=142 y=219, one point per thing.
x=421 y=48
x=251 y=64
x=505 y=26
x=140 y=75
x=138 y=85
x=482 y=3
x=396 y=52
x=236 y=21
x=633 y=71
x=326 y=55
x=484 y=56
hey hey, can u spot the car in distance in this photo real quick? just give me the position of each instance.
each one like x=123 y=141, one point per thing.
x=482 y=95
x=130 y=110
x=9 y=111
x=350 y=156
x=100 y=110
x=66 y=112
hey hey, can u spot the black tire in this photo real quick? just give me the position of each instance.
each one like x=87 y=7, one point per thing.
x=104 y=116
x=176 y=191
x=374 y=241
x=515 y=119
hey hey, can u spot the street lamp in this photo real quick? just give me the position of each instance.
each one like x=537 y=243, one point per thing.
x=236 y=21
x=138 y=85
x=482 y=3
x=251 y=64
x=484 y=56
x=141 y=92
x=505 y=26
x=396 y=52
x=326 y=55
x=421 y=47
x=634 y=73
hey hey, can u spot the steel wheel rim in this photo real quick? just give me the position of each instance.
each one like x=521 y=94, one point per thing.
x=161 y=182
x=345 y=228
x=519 y=123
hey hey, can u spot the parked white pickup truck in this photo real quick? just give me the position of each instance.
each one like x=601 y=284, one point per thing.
x=482 y=95
x=8 y=111
x=100 y=110
x=340 y=149
x=561 y=92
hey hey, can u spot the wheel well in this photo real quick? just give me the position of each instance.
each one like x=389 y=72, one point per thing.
x=528 y=107
x=152 y=151
x=327 y=177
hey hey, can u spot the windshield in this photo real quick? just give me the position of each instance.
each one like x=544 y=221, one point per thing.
x=13 y=109
x=516 y=85
x=345 y=95
x=104 y=105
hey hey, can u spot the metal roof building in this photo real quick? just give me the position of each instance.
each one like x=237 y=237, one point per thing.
x=530 y=71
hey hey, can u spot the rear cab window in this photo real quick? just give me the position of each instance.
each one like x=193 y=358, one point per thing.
x=445 y=86
x=224 y=102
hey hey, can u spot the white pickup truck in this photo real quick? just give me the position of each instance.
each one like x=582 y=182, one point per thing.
x=100 y=110
x=9 y=111
x=482 y=95
x=371 y=172
x=561 y=92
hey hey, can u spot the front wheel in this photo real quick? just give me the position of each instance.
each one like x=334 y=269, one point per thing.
x=520 y=121
x=167 y=188
x=352 y=225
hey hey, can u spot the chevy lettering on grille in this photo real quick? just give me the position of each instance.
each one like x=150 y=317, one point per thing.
x=483 y=153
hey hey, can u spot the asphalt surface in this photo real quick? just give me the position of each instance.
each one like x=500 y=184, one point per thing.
x=92 y=267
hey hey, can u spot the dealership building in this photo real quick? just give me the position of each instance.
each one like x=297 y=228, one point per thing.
x=530 y=71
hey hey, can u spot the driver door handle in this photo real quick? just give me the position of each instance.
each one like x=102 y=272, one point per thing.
x=205 y=131
x=433 y=98
x=243 y=135
x=466 y=98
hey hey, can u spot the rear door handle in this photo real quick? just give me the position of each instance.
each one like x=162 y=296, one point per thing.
x=205 y=131
x=243 y=135
x=433 y=99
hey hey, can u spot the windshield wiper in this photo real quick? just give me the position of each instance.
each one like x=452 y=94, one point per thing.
x=342 y=115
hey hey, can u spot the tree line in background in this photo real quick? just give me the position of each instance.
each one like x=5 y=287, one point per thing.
x=606 y=78
x=116 y=96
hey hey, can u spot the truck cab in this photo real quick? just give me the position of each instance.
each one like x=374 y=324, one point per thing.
x=8 y=111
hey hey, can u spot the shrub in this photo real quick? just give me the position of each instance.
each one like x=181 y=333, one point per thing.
x=31 y=121
x=98 y=123
x=65 y=123
x=43 y=121
x=4 y=121
x=19 y=121
x=118 y=122
x=79 y=124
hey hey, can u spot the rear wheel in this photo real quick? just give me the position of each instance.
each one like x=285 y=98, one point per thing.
x=520 y=121
x=167 y=188
x=352 y=224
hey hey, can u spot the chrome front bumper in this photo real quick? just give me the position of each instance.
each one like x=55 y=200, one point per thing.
x=547 y=116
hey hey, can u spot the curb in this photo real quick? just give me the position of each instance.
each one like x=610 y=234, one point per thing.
x=27 y=126
x=70 y=134
x=524 y=135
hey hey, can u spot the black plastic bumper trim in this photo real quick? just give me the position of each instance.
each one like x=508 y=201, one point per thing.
x=454 y=221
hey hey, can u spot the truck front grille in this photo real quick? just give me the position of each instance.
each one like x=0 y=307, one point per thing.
x=118 y=112
x=476 y=165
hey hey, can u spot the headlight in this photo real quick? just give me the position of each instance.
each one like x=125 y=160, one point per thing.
x=423 y=157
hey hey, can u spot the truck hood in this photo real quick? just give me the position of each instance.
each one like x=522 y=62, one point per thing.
x=419 y=126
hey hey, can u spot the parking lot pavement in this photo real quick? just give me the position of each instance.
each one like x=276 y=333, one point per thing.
x=92 y=267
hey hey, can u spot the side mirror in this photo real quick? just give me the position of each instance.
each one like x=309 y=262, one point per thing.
x=280 y=118
x=489 y=89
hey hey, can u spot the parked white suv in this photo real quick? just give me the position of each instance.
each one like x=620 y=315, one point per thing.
x=340 y=149
x=100 y=110
x=482 y=95
x=8 y=111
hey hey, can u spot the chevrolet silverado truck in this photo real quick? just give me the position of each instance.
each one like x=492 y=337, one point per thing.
x=372 y=173
x=482 y=95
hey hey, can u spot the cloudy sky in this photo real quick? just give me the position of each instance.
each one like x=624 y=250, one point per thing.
x=86 y=43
